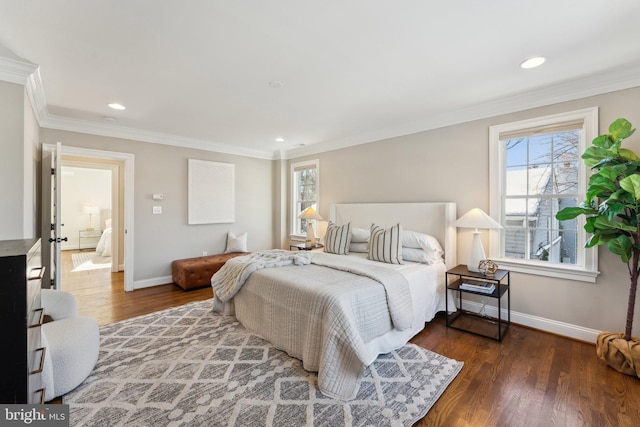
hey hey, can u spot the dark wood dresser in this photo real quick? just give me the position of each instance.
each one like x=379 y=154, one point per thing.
x=21 y=314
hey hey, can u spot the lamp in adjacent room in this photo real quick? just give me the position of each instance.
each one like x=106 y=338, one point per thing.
x=309 y=214
x=476 y=219
x=91 y=210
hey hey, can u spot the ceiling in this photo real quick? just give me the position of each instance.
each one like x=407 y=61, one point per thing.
x=200 y=73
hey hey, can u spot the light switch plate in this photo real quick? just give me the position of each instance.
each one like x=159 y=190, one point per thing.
x=157 y=210
x=157 y=196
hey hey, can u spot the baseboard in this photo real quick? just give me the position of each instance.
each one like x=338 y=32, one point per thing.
x=548 y=325
x=154 y=281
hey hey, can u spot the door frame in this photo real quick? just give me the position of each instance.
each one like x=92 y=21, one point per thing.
x=128 y=160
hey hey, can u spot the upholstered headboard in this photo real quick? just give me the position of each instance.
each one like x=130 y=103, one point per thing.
x=437 y=219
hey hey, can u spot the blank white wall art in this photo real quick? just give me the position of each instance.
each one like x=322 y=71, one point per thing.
x=211 y=192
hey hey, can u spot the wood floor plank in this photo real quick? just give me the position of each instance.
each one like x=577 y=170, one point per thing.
x=531 y=378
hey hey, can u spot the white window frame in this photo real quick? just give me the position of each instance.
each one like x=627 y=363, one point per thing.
x=309 y=164
x=586 y=267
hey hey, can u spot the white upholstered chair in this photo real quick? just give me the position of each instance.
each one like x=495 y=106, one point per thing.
x=72 y=342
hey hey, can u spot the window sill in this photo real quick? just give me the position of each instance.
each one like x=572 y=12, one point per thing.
x=549 y=270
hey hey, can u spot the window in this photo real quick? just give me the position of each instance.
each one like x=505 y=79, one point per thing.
x=305 y=178
x=537 y=170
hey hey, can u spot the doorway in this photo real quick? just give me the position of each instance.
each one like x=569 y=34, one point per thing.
x=89 y=199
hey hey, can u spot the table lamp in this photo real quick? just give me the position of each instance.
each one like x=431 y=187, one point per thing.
x=476 y=218
x=91 y=210
x=309 y=214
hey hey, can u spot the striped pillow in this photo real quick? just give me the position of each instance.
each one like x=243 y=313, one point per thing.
x=386 y=245
x=337 y=239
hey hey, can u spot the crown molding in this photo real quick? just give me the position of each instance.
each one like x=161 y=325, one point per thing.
x=83 y=126
x=567 y=91
x=16 y=70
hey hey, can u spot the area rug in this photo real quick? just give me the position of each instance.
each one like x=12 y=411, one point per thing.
x=188 y=366
x=83 y=261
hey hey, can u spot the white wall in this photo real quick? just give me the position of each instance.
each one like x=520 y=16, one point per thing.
x=452 y=164
x=12 y=162
x=160 y=239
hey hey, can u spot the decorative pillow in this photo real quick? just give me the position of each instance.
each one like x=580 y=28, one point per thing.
x=337 y=239
x=359 y=247
x=360 y=235
x=416 y=255
x=386 y=245
x=236 y=243
x=414 y=239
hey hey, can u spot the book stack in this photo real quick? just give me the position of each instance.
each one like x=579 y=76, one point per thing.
x=478 y=286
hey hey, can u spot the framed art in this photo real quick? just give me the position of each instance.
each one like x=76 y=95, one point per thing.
x=211 y=192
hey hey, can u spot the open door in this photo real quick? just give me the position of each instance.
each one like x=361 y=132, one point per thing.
x=51 y=226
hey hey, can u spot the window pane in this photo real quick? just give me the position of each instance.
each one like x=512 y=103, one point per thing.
x=538 y=179
x=516 y=181
x=566 y=177
x=568 y=247
x=515 y=239
x=515 y=207
x=540 y=149
x=516 y=152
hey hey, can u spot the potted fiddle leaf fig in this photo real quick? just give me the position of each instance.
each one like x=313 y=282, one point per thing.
x=612 y=211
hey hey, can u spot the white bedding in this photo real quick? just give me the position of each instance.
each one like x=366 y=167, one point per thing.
x=104 y=244
x=295 y=307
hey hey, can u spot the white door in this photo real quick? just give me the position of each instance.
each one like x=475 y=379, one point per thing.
x=51 y=226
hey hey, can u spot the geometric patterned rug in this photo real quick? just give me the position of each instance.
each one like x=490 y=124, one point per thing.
x=83 y=261
x=190 y=366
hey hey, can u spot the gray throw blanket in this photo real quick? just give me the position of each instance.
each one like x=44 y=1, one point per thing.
x=227 y=281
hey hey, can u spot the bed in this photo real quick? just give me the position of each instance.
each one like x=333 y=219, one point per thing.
x=103 y=248
x=337 y=313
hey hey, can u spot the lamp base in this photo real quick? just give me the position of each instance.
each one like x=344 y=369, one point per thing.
x=311 y=236
x=477 y=253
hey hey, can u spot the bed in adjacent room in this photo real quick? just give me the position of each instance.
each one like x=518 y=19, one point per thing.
x=335 y=311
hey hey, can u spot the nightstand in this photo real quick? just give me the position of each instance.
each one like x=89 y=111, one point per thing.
x=92 y=235
x=301 y=247
x=478 y=323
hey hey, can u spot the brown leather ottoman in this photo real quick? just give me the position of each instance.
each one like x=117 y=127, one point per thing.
x=194 y=273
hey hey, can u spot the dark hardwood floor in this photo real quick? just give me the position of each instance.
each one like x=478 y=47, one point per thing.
x=531 y=378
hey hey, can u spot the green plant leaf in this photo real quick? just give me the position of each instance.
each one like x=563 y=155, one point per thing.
x=632 y=185
x=572 y=212
x=628 y=155
x=622 y=246
x=593 y=241
x=603 y=223
x=593 y=155
x=620 y=129
x=603 y=141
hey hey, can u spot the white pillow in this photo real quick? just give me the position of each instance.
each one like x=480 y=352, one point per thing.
x=337 y=239
x=416 y=255
x=414 y=239
x=236 y=243
x=107 y=223
x=360 y=235
x=359 y=247
x=386 y=245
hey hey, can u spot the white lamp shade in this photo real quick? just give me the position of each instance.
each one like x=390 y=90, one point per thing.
x=309 y=213
x=476 y=218
x=90 y=209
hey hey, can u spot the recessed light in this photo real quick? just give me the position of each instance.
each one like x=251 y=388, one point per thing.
x=275 y=84
x=534 y=62
x=117 y=106
x=279 y=139
x=109 y=119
